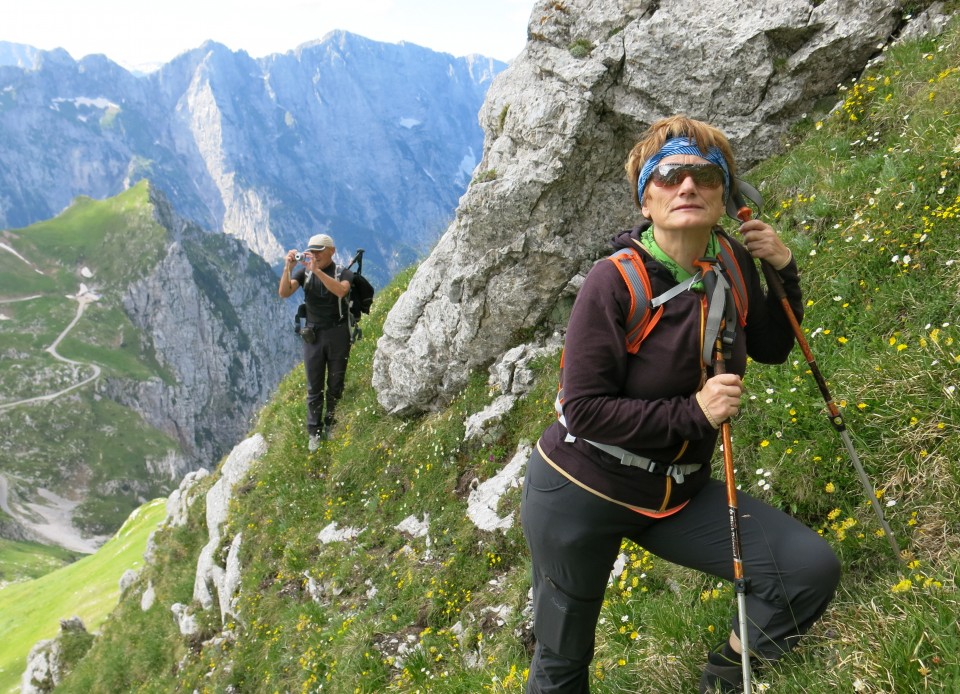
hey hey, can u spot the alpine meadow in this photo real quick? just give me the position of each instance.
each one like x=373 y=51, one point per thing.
x=867 y=195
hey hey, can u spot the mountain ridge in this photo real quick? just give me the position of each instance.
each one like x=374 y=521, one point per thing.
x=371 y=142
x=115 y=390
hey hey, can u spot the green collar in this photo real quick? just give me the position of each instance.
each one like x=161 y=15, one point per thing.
x=679 y=274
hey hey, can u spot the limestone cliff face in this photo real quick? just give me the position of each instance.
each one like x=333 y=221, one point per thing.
x=559 y=122
x=373 y=142
x=180 y=326
x=219 y=329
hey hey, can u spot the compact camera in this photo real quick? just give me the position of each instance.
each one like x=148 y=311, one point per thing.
x=300 y=255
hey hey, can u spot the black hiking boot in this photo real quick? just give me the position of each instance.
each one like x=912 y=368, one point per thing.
x=723 y=671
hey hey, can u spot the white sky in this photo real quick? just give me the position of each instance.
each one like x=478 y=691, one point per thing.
x=137 y=33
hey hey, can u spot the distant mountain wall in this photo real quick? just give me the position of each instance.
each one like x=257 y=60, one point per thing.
x=210 y=312
x=371 y=142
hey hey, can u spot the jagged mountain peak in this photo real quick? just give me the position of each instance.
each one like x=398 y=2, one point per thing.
x=371 y=142
x=18 y=55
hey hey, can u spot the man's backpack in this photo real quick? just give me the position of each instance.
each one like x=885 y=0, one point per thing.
x=360 y=298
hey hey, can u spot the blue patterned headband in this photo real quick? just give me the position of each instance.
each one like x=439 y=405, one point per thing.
x=683 y=145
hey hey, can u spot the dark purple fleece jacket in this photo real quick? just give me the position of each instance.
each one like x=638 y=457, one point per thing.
x=646 y=403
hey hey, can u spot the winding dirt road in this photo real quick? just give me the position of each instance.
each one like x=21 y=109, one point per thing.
x=56 y=526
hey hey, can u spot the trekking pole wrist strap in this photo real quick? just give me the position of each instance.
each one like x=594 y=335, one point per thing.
x=706 y=413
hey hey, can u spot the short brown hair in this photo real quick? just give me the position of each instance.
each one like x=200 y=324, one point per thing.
x=704 y=134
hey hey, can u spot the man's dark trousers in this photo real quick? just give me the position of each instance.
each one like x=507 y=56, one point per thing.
x=325 y=360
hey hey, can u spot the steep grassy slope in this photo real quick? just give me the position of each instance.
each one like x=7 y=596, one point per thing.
x=89 y=588
x=868 y=197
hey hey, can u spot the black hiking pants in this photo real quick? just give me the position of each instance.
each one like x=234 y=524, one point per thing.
x=574 y=538
x=325 y=361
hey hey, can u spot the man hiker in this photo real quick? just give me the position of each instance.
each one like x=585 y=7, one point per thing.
x=326 y=332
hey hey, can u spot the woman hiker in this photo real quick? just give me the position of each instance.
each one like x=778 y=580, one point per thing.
x=629 y=456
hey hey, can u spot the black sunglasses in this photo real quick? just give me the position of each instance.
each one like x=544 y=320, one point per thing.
x=704 y=175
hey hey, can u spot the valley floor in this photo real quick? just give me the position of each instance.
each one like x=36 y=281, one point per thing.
x=50 y=517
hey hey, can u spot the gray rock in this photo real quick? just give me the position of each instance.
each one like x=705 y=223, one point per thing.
x=227 y=592
x=930 y=22
x=186 y=620
x=483 y=501
x=127 y=579
x=150 y=551
x=45 y=668
x=180 y=500
x=148 y=598
x=559 y=123
x=211 y=576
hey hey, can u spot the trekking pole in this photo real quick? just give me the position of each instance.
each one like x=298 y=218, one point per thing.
x=358 y=259
x=775 y=284
x=740 y=584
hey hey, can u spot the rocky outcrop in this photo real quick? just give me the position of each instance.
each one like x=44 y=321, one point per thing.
x=512 y=377
x=209 y=312
x=484 y=499
x=179 y=502
x=559 y=123
x=45 y=665
x=218 y=578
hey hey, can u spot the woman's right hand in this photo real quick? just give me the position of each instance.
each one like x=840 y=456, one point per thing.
x=720 y=396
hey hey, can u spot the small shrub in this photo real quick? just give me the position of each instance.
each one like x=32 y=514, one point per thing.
x=581 y=48
x=503 y=117
x=484 y=176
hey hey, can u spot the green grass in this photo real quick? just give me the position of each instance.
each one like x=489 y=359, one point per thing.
x=88 y=588
x=856 y=192
x=20 y=561
x=19 y=279
x=98 y=234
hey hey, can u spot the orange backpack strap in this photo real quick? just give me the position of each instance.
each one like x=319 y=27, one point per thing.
x=641 y=317
x=737 y=282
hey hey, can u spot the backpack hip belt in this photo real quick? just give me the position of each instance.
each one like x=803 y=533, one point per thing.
x=629 y=459
x=625 y=457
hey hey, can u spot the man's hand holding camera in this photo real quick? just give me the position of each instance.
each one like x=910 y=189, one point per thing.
x=295 y=256
x=287 y=285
